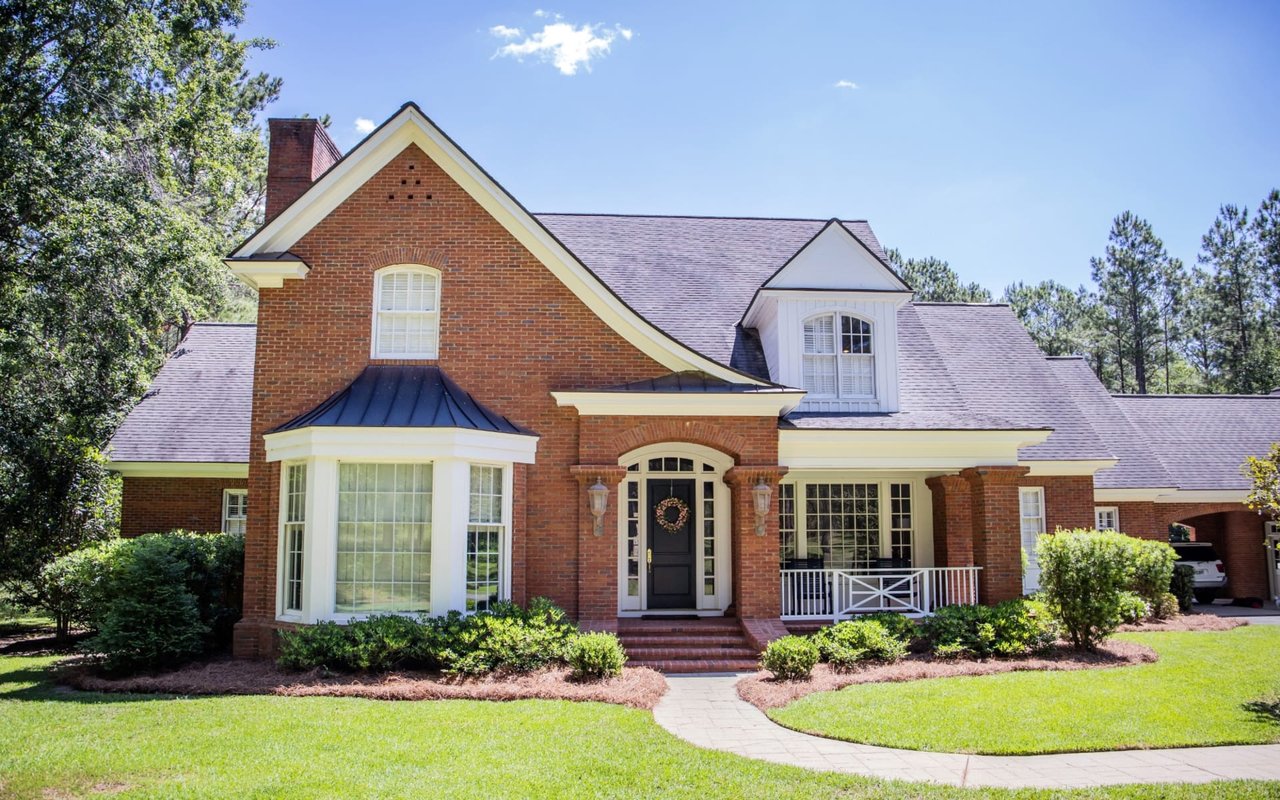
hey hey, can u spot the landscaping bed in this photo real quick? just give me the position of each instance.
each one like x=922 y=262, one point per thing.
x=1186 y=622
x=765 y=692
x=635 y=687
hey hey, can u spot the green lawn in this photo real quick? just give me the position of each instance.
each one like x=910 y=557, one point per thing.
x=60 y=743
x=1194 y=695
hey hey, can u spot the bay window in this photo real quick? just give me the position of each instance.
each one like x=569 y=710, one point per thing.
x=384 y=538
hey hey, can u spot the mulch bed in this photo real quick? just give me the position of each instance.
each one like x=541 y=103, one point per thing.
x=638 y=688
x=1188 y=622
x=764 y=692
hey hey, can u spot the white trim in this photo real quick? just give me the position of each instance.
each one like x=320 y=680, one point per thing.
x=227 y=494
x=1114 y=511
x=179 y=469
x=819 y=448
x=1204 y=496
x=409 y=127
x=399 y=445
x=1104 y=496
x=376 y=321
x=266 y=274
x=1081 y=467
x=681 y=404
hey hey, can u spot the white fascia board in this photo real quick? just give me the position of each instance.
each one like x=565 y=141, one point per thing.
x=410 y=126
x=834 y=297
x=269 y=274
x=1204 y=496
x=1080 y=467
x=898 y=449
x=400 y=445
x=675 y=404
x=179 y=469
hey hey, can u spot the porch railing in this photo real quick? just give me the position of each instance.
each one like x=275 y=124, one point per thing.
x=837 y=594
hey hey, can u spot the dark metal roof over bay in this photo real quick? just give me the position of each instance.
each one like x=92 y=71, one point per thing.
x=386 y=396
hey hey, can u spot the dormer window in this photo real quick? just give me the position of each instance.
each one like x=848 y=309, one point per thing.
x=839 y=357
x=406 y=318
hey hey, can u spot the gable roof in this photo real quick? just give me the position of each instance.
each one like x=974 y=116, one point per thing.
x=1201 y=440
x=198 y=407
x=404 y=396
x=798 y=271
x=411 y=127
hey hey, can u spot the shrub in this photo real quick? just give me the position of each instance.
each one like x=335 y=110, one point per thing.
x=69 y=588
x=596 y=655
x=790 y=658
x=1151 y=566
x=513 y=643
x=165 y=598
x=1167 y=607
x=1133 y=608
x=846 y=643
x=1012 y=628
x=325 y=645
x=1183 y=586
x=1083 y=574
x=899 y=626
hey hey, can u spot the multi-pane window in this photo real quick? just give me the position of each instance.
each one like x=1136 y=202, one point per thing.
x=787 y=522
x=633 y=538
x=235 y=503
x=708 y=538
x=838 y=358
x=1106 y=518
x=900 y=522
x=486 y=530
x=1031 y=510
x=295 y=525
x=844 y=520
x=406 y=314
x=384 y=538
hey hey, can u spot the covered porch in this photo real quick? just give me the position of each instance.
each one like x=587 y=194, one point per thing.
x=838 y=594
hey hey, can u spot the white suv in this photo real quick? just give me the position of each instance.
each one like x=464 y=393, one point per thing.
x=1211 y=575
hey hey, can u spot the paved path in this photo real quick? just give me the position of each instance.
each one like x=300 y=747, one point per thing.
x=705 y=710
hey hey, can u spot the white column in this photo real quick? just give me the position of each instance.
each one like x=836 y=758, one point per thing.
x=450 y=496
x=320 y=546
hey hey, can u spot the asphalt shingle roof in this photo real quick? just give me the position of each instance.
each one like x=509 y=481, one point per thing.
x=1202 y=440
x=198 y=406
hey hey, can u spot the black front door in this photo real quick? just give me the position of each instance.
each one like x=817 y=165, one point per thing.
x=671 y=540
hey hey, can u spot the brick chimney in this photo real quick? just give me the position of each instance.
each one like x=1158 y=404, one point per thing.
x=300 y=151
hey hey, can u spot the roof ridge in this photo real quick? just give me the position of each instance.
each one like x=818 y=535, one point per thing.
x=219 y=324
x=957 y=303
x=1197 y=396
x=693 y=216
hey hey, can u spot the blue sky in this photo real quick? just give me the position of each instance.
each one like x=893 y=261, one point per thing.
x=1000 y=137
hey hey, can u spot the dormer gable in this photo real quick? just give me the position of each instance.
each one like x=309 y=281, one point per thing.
x=828 y=323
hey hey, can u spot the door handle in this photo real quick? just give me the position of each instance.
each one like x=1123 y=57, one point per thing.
x=648 y=558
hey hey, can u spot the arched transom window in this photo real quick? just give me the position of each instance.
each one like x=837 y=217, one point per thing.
x=839 y=356
x=406 y=313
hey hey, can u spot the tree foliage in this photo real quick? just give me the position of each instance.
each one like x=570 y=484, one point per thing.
x=935 y=281
x=1264 y=476
x=130 y=159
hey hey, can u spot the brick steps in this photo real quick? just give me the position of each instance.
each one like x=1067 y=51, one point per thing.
x=714 y=644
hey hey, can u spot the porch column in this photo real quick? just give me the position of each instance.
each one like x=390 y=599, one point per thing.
x=598 y=555
x=952 y=521
x=997 y=530
x=757 y=582
x=1244 y=554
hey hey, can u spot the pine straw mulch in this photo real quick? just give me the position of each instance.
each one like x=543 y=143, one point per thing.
x=1187 y=622
x=764 y=692
x=636 y=687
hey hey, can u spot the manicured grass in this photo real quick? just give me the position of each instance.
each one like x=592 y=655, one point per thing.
x=1194 y=695
x=55 y=742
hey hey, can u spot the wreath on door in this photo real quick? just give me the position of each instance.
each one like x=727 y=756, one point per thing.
x=682 y=514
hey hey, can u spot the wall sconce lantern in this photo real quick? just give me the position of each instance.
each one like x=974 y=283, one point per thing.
x=597 y=500
x=760 y=495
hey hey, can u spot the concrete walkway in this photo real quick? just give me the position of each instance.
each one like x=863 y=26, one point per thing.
x=705 y=710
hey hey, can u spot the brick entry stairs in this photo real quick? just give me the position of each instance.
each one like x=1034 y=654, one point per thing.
x=709 y=644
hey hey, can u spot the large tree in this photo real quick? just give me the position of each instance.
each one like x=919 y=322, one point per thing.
x=1054 y=315
x=130 y=159
x=1238 y=295
x=935 y=281
x=1139 y=290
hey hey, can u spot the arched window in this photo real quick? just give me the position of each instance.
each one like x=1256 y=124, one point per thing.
x=406 y=313
x=839 y=357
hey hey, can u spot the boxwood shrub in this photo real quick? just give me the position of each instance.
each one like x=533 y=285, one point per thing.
x=595 y=656
x=790 y=658
x=845 y=644
x=1012 y=628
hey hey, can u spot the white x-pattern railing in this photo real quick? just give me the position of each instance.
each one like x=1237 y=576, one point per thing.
x=843 y=593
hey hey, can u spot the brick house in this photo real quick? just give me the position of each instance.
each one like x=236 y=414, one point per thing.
x=447 y=400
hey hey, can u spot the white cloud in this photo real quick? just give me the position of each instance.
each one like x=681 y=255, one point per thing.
x=846 y=85
x=562 y=44
x=503 y=32
x=540 y=14
x=365 y=125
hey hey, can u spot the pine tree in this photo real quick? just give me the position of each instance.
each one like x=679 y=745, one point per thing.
x=1238 y=291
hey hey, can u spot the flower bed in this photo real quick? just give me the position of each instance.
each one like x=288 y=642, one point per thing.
x=635 y=687
x=765 y=692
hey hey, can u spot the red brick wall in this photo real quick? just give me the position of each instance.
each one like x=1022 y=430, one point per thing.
x=997 y=530
x=155 y=505
x=1068 y=500
x=952 y=521
x=510 y=333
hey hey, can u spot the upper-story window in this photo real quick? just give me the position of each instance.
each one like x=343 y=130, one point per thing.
x=839 y=357
x=406 y=313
